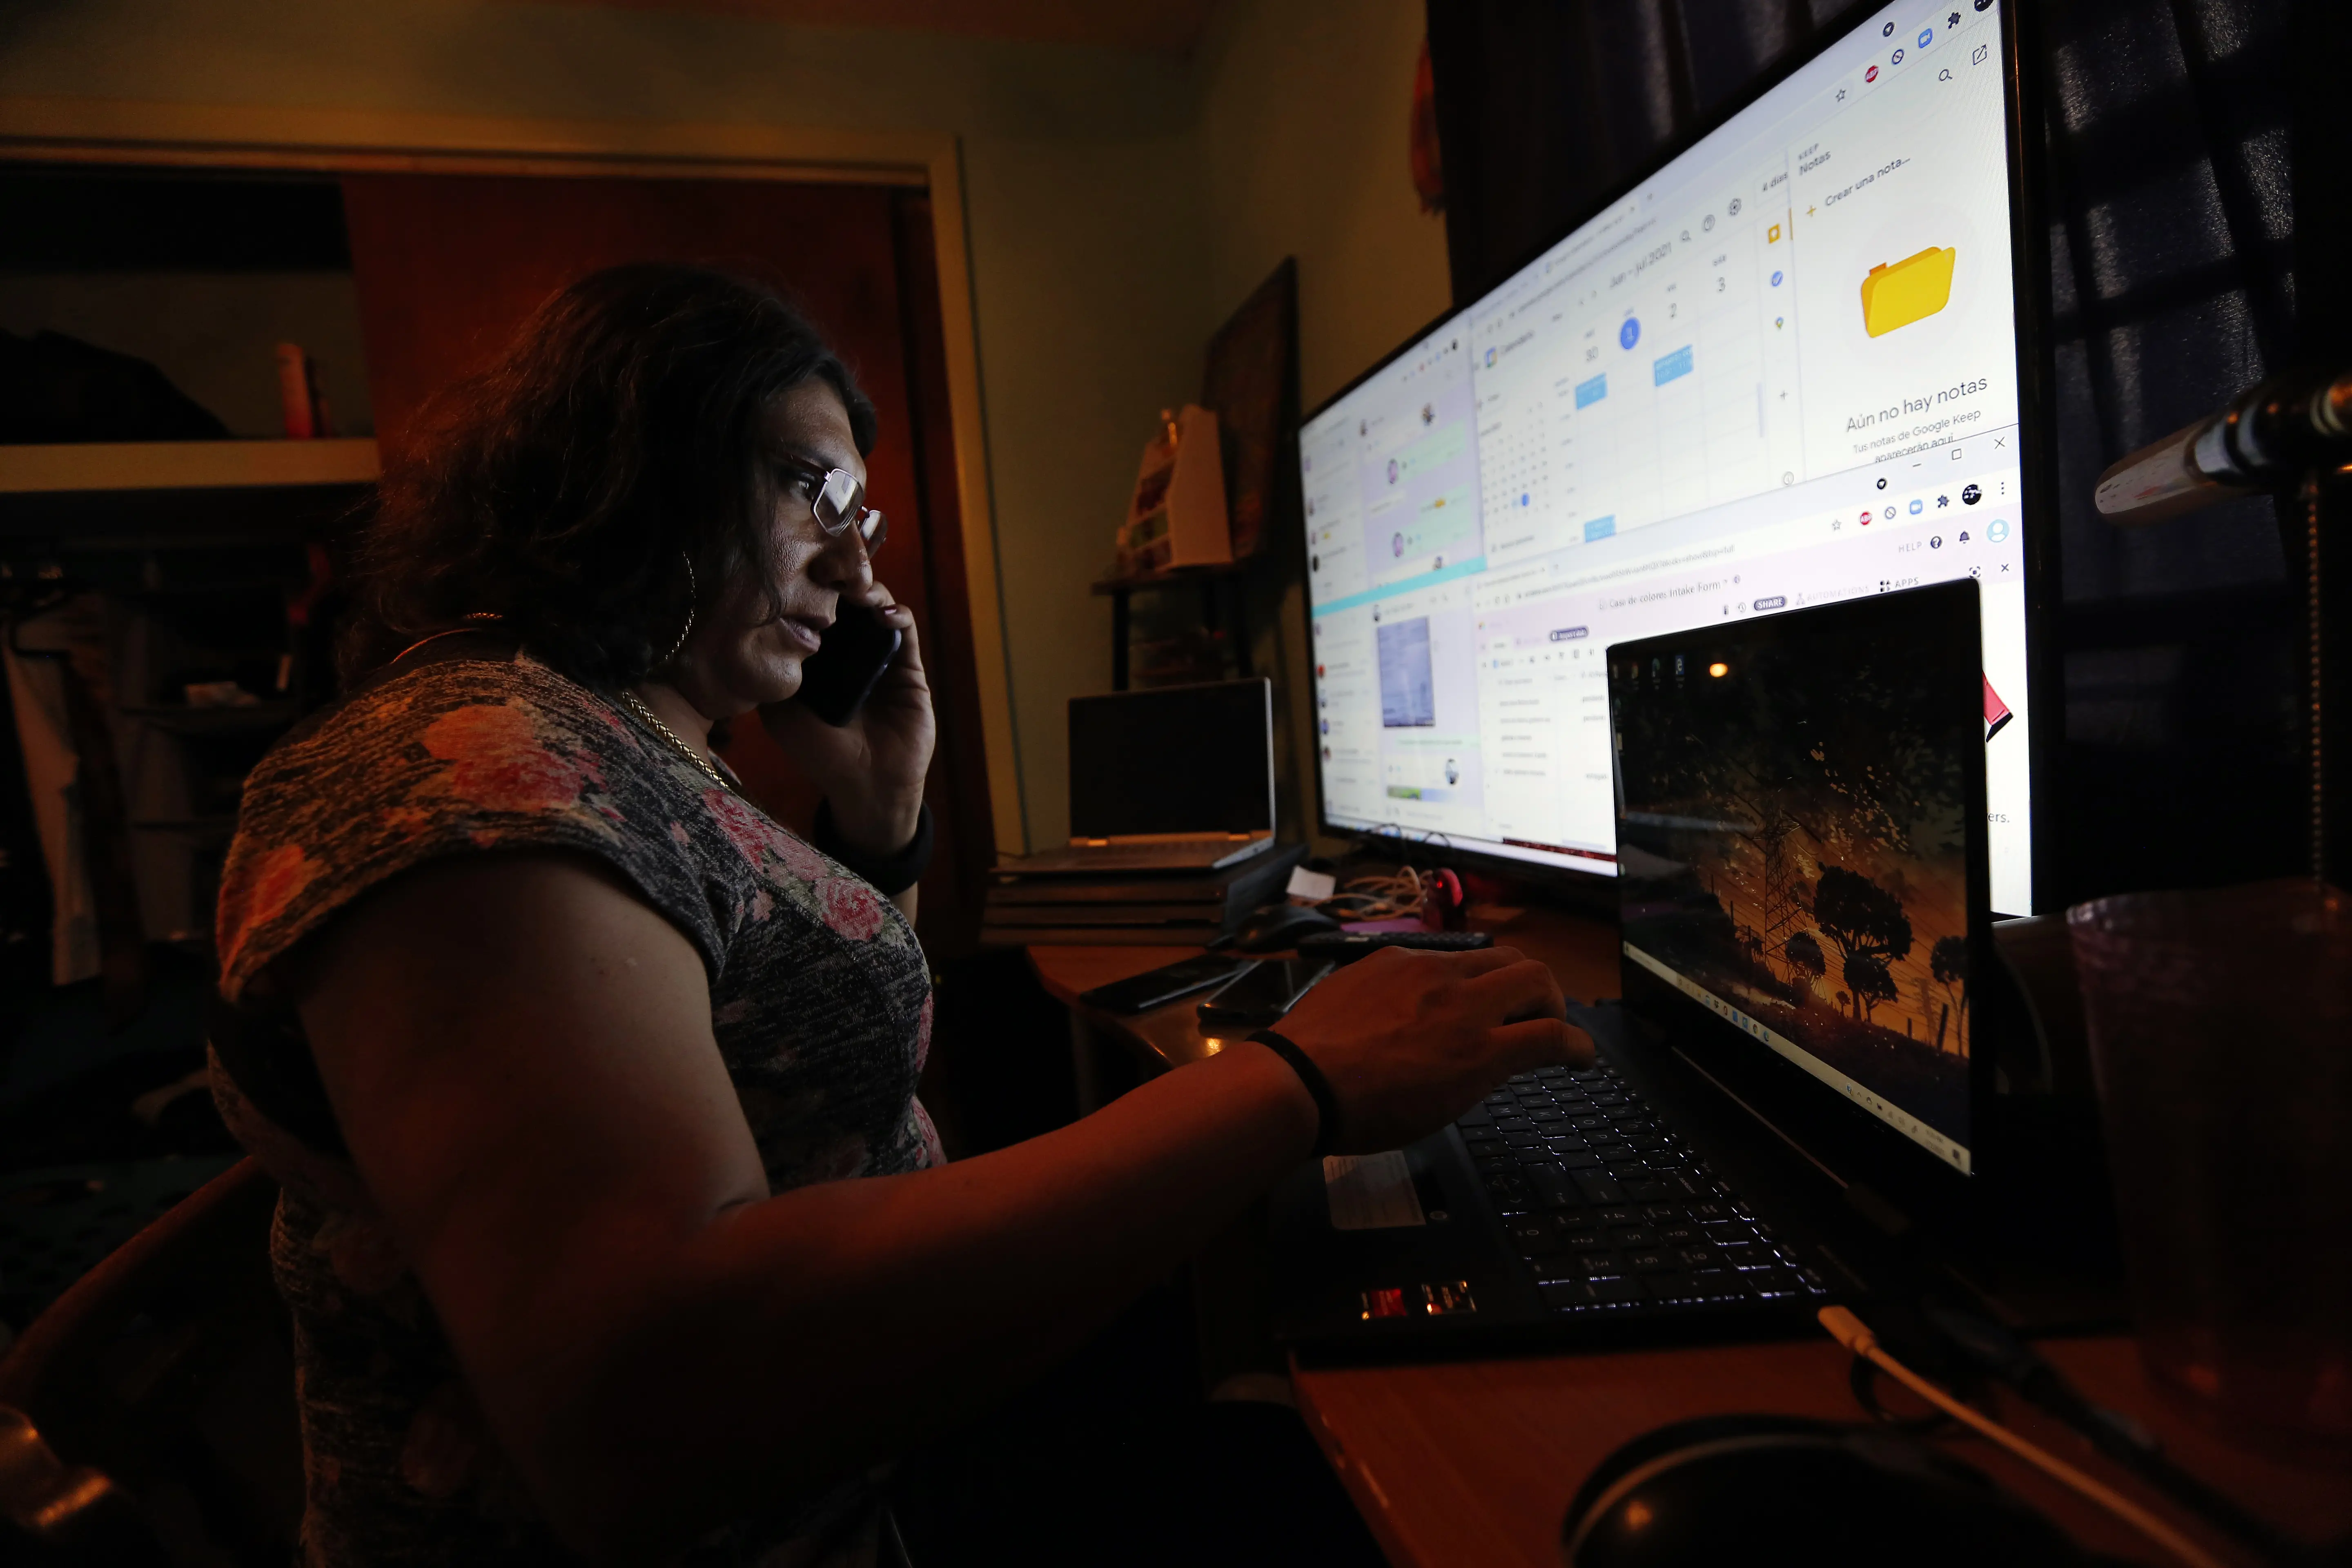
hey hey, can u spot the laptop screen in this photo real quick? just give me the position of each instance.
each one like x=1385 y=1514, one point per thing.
x=1799 y=819
x=1177 y=760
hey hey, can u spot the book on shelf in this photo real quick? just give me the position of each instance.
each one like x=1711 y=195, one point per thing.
x=302 y=395
x=1179 y=909
x=1124 y=889
x=1098 y=936
x=1106 y=914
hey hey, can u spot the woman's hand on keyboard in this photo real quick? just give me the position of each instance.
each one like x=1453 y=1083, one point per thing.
x=1412 y=1040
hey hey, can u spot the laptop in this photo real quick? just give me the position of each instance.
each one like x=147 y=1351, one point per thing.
x=1177 y=778
x=1795 y=1072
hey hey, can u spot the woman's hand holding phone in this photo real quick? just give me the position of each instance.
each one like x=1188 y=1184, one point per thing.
x=872 y=767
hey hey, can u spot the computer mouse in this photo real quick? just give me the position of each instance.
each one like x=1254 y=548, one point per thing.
x=1278 y=926
x=1743 y=1488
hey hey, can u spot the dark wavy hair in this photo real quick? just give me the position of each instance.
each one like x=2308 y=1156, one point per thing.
x=558 y=487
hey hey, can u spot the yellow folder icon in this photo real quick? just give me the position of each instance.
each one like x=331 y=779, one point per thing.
x=1897 y=295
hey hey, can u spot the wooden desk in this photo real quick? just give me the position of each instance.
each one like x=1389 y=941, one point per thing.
x=1583 y=954
x=1474 y=1463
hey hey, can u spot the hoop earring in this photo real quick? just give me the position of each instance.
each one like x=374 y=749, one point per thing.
x=693 y=591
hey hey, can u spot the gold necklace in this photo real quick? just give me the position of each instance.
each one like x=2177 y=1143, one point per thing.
x=667 y=733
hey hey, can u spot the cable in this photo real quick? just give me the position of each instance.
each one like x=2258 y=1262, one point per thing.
x=1862 y=1378
x=2118 y=1436
x=1854 y=1335
x=1391 y=896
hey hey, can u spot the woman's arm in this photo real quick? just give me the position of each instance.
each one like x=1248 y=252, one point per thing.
x=520 y=1055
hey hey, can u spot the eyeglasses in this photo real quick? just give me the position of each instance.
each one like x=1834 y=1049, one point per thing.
x=838 y=499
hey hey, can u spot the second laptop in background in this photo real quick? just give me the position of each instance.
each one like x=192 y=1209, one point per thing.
x=1179 y=778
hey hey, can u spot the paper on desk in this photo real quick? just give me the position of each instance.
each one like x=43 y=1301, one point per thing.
x=1370 y=1192
x=1312 y=886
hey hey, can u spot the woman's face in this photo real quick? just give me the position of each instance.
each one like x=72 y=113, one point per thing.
x=741 y=654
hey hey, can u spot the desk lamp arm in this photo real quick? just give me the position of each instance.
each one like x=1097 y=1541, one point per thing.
x=2292 y=433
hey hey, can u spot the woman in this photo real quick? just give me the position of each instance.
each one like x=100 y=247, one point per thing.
x=564 y=1052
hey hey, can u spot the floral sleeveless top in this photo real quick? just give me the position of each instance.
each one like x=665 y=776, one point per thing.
x=820 y=1000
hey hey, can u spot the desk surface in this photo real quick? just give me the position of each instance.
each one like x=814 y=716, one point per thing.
x=1474 y=1462
x=1583 y=954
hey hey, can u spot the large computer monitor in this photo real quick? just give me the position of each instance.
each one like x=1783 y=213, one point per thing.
x=1785 y=368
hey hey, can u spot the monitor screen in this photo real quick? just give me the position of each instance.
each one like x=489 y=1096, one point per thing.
x=1782 y=370
x=1173 y=761
x=1794 y=827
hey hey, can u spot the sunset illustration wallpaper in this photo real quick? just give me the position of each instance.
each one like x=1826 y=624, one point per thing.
x=1792 y=832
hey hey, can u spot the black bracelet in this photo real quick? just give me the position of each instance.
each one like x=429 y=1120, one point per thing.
x=889 y=873
x=1326 y=1104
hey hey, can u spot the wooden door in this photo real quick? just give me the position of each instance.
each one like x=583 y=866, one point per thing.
x=448 y=266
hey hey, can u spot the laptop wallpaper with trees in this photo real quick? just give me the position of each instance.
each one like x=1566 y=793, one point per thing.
x=1792 y=832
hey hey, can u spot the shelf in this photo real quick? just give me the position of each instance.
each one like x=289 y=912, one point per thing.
x=219 y=827
x=114 y=466
x=181 y=720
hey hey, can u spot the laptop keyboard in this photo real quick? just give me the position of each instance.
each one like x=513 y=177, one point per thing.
x=1611 y=1210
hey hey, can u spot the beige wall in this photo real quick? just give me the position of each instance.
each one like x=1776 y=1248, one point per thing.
x=1118 y=206
x=1304 y=132
x=1304 y=129
x=1087 y=273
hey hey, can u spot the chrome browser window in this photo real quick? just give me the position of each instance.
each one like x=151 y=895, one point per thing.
x=1781 y=371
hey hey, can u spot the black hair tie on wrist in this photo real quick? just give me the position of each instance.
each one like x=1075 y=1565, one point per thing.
x=891 y=874
x=1326 y=1104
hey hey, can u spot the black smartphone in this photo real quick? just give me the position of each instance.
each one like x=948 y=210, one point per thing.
x=1254 y=1000
x=856 y=648
x=1157 y=987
